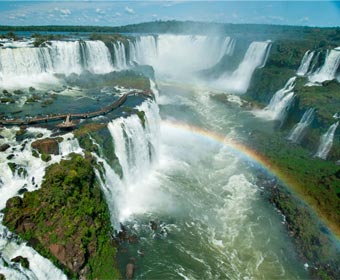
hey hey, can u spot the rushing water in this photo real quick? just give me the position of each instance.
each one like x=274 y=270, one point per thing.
x=212 y=219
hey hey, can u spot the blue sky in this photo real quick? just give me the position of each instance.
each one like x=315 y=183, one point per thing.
x=113 y=13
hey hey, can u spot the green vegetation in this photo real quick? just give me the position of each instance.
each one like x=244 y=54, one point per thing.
x=67 y=220
x=315 y=179
x=312 y=239
x=127 y=79
x=95 y=137
x=39 y=39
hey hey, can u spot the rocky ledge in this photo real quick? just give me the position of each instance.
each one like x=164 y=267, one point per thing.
x=67 y=220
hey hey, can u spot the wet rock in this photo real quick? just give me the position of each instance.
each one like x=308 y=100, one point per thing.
x=133 y=239
x=23 y=261
x=10 y=156
x=2 y=277
x=47 y=146
x=22 y=191
x=4 y=147
x=153 y=225
x=130 y=269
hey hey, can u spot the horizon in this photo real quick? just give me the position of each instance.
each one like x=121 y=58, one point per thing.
x=120 y=13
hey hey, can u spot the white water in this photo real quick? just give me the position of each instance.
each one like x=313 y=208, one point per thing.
x=238 y=81
x=299 y=129
x=305 y=63
x=326 y=142
x=180 y=55
x=10 y=184
x=137 y=149
x=23 y=67
x=279 y=103
x=120 y=56
x=329 y=68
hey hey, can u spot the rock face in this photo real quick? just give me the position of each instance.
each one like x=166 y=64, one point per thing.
x=4 y=147
x=47 y=146
x=67 y=220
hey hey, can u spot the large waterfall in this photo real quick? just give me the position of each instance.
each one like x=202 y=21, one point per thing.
x=305 y=63
x=120 y=55
x=279 y=103
x=255 y=57
x=329 y=68
x=299 y=129
x=178 y=55
x=20 y=65
x=136 y=142
x=326 y=142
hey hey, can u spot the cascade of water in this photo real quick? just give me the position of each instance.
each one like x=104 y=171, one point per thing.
x=136 y=141
x=136 y=144
x=144 y=50
x=326 y=142
x=305 y=63
x=328 y=69
x=97 y=57
x=38 y=64
x=239 y=80
x=299 y=129
x=66 y=57
x=179 y=55
x=119 y=58
x=281 y=100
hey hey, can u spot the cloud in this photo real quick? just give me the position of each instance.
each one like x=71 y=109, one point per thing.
x=100 y=11
x=129 y=11
x=118 y=14
x=65 y=11
x=304 y=19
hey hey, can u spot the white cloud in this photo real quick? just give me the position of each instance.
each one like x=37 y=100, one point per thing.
x=129 y=10
x=100 y=11
x=65 y=11
x=304 y=20
x=118 y=14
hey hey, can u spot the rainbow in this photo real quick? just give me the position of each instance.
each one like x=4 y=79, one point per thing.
x=250 y=155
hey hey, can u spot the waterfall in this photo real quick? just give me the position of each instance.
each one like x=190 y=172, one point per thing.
x=329 y=68
x=136 y=144
x=299 y=129
x=179 y=55
x=119 y=58
x=239 y=80
x=326 y=142
x=143 y=50
x=97 y=57
x=305 y=63
x=26 y=65
x=279 y=103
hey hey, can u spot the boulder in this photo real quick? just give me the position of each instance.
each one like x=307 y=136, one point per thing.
x=23 y=261
x=4 y=147
x=46 y=146
x=130 y=269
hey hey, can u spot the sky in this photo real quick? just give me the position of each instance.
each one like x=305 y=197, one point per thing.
x=115 y=13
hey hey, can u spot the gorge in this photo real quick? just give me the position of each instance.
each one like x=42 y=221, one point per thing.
x=223 y=162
